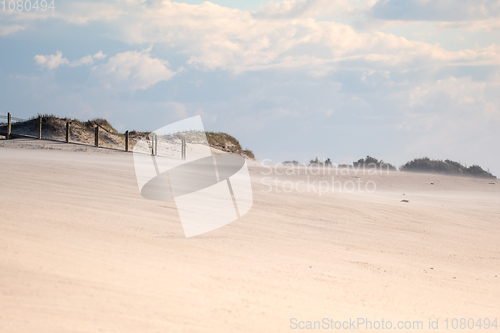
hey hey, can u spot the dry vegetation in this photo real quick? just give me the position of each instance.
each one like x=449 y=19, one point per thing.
x=226 y=142
x=54 y=128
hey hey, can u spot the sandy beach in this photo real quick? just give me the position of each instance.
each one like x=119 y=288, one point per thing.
x=82 y=251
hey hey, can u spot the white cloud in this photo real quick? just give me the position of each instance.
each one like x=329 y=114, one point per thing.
x=436 y=10
x=125 y=71
x=469 y=15
x=99 y=55
x=51 y=61
x=56 y=60
x=87 y=60
x=133 y=70
x=489 y=25
x=306 y=8
x=10 y=29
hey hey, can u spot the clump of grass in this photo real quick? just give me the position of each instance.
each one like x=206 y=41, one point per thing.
x=226 y=142
x=101 y=122
x=222 y=140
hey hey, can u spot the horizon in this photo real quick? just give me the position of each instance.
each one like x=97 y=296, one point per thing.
x=293 y=162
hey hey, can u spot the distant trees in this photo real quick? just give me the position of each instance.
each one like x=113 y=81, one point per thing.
x=424 y=164
x=316 y=161
x=447 y=167
x=371 y=162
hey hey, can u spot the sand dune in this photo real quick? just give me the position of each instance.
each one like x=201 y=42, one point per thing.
x=82 y=251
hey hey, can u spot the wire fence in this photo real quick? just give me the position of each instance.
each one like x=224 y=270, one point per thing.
x=13 y=118
x=4 y=119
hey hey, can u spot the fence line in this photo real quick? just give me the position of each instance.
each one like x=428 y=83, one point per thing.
x=126 y=136
x=7 y=131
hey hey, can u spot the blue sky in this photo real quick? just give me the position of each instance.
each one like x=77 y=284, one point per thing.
x=290 y=79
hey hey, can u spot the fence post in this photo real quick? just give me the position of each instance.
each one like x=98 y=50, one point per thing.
x=183 y=149
x=67 y=131
x=97 y=136
x=156 y=144
x=153 y=140
x=9 y=125
x=39 y=127
x=126 y=141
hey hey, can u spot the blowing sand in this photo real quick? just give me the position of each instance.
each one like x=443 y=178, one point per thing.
x=82 y=251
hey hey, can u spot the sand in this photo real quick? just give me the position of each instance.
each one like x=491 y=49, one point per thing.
x=82 y=251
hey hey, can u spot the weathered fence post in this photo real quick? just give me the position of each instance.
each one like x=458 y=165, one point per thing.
x=97 y=136
x=183 y=149
x=67 y=131
x=156 y=144
x=39 y=127
x=9 y=125
x=126 y=141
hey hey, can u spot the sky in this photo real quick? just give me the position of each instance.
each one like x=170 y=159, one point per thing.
x=338 y=79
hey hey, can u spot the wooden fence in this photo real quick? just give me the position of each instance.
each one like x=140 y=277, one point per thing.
x=9 y=135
